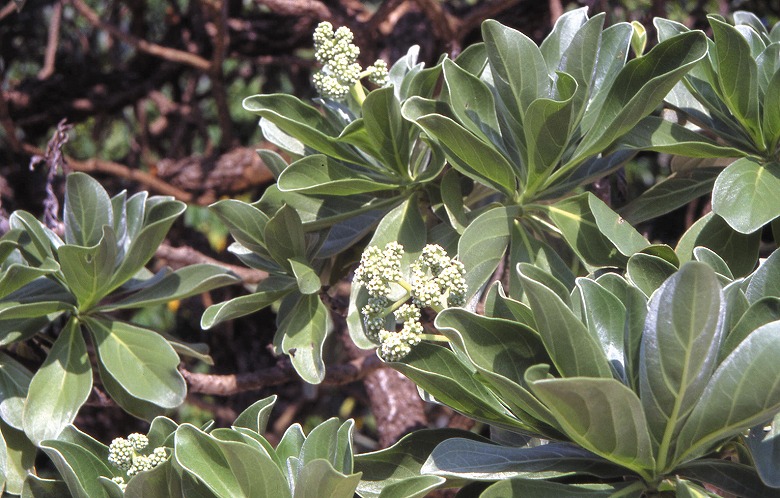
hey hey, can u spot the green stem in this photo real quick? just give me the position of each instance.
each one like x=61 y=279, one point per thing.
x=313 y=226
x=434 y=337
x=358 y=93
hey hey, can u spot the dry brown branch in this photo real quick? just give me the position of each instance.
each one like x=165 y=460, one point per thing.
x=177 y=257
x=9 y=9
x=281 y=373
x=484 y=10
x=556 y=11
x=52 y=42
x=167 y=53
x=312 y=8
x=218 y=11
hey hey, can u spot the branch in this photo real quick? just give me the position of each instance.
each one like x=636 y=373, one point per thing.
x=167 y=53
x=312 y=8
x=177 y=257
x=52 y=42
x=281 y=373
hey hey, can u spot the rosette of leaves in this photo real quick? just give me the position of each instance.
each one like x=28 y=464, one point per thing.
x=56 y=295
x=730 y=95
x=638 y=388
x=211 y=462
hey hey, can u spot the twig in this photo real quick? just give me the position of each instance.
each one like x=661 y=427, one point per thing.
x=52 y=42
x=121 y=171
x=281 y=373
x=556 y=11
x=167 y=53
x=183 y=256
x=313 y=8
x=221 y=42
x=8 y=125
x=9 y=9
x=54 y=160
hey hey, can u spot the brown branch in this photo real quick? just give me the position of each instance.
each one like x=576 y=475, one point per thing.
x=8 y=125
x=178 y=257
x=119 y=170
x=221 y=41
x=52 y=42
x=9 y=9
x=556 y=11
x=167 y=53
x=484 y=10
x=312 y=8
x=281 y=373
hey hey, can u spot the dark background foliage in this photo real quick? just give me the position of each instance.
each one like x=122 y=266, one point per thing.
x=146 y=95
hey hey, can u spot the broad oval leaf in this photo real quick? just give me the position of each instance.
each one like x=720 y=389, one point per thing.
x=319 y=174
x=140 y=360
x=87 y=210
x=301 y=335
x=745 y=194
x=679 y=351
x=729 y=405
x=59 y=387
x=14 y=383
x=268 y=291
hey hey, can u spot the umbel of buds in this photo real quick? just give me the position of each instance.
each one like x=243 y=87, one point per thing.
x=126 y=455
x=437 y=282
x=341 y=73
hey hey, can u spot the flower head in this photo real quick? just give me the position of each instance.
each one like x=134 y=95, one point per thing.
x=437 y=279
x=380 y=268
x=124 y=454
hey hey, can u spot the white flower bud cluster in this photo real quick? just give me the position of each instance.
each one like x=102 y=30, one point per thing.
x=124 y=454
x=378 y=73
x=120 y=481
x=437 y=279
x=340 y=69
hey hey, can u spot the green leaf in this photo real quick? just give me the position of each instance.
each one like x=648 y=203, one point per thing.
x=268 y=291
x=301 y=335
x=303 y=122
x=80 y=468
x=647 y=272
x=141 y=361
x=679 y=352
x=485 y=461
x=88 y=270
x=256 y=416
x=483 y=245
x=159 y=218
x=151 y=483
x=659 y=135
x=318 y=478
x=441 y=374
x=307 y=278
x=87 y=210
x=517 y=84
x=761 y=312
x=676 y=190
x=37 y=241
x=771 y=121
x=596 y=233
x=544 y=489
x=183 y=283
x=525 y=248
x=466 y=152
x=401 y=462
x=16 y=276
x=764 y=281
x=35 y=487
x=389 y=132
x=17 y=458
x=765 y=450
x=59 y=387
x=572 y=348
x=559 y=40
x=737 y=75
x=605 y=316
x=284 y=236
x=319 y=174
x=739 y=251
x=729 y=405
x=601 y=415
x=14 y=383
x=745 y=193
x=245 y=222
x=332 y=442
x=638 y=89
x=471 y=101
x=731 y=477
x=229 y=469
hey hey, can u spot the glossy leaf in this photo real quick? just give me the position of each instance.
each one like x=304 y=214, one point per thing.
x=267 y=292
x=483 y=244
x=401 y=462
x=572 y=348
x=16 y=276
x=526 y=248
x=256 y=416
x=731 y=477
x=544 y=489
x=764 y=282
x=17 y=458
x=183 y=283
x=245 y=222
x=485 y=461
x=141 y=361
x=605 y=316
x=14 y=383
x=388 y=131
x=639 y=87
x=319 y=478
x=228 y=469
x=739 y=251
x=303 y=331
x=80 y=468
x=87 y=210
x=729 y=405
x=466 y=152
x=674 y=191
x=471 y=102
x=284 y=236
x=59 y=387
x=88 y=270
x=682 y=333
x=319 y=174
x=659 y=135
x=745 y=193
x=648 y=272
x=35 y=487
x=601 y=415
